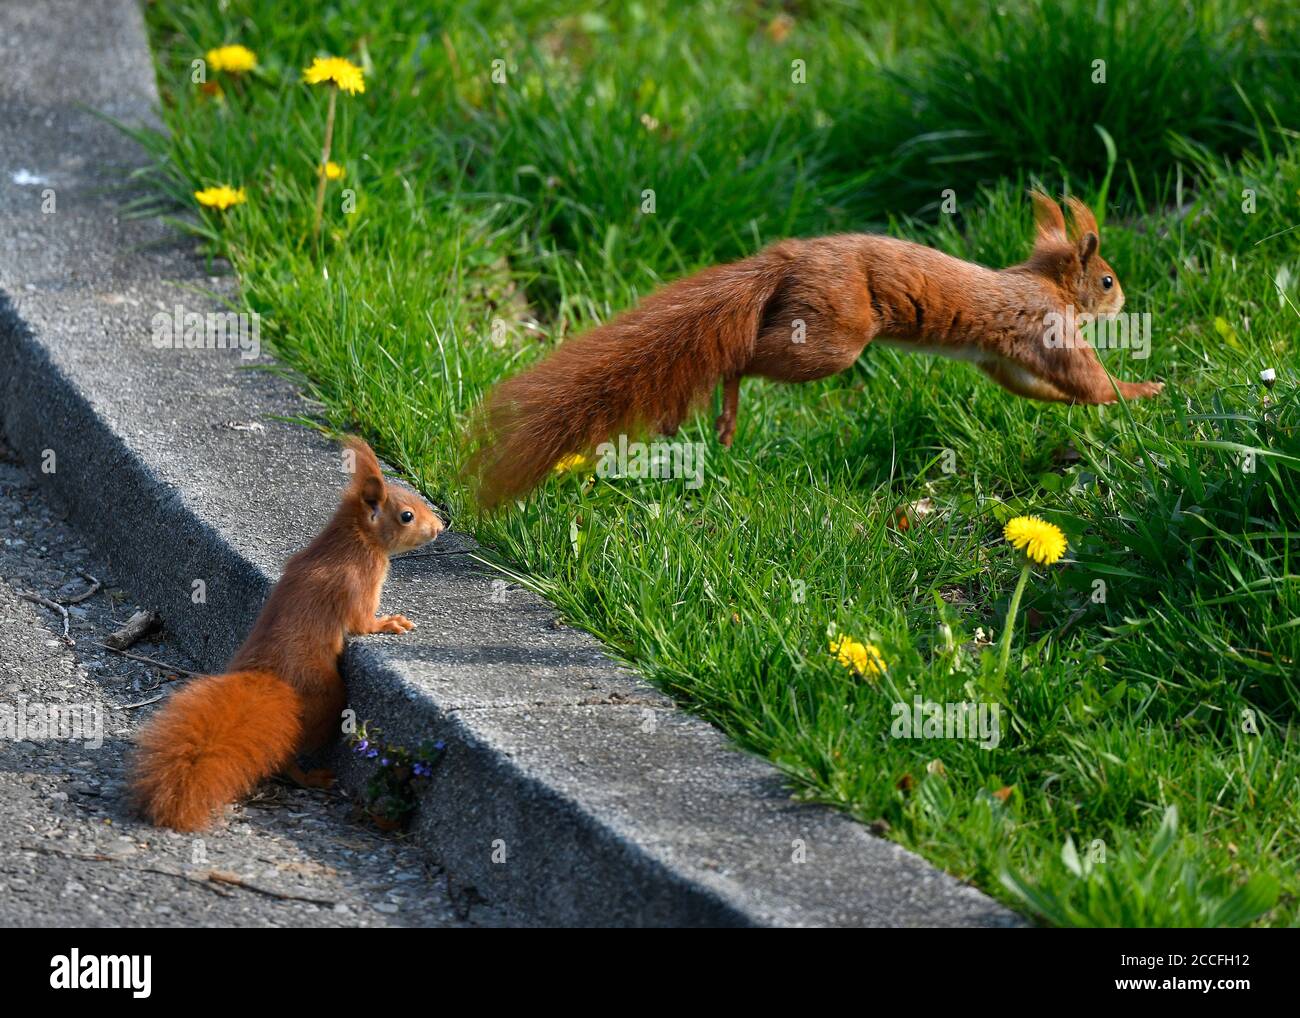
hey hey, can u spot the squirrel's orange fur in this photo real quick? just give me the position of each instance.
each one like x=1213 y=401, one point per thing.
x=647 y=368
x=283 y=695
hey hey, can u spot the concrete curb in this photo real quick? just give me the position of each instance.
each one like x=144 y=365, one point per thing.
x=611 y=806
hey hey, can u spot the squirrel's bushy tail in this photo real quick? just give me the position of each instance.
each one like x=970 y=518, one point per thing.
x=212 y=743
x=645 y=370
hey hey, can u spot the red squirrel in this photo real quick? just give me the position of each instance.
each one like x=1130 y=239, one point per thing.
x=797 y=311
x=213 y=741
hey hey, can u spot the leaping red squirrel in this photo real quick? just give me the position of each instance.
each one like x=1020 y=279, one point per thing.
x=283 y=695
x=797 y=311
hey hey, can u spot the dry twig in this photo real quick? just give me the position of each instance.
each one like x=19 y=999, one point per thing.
x=85 y=595
x=138 y=626
x=29 y=595
x=150 y=661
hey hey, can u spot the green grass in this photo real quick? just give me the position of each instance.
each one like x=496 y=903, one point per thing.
x=481 y=207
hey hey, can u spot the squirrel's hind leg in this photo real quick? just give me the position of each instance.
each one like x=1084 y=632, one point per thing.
x=726 y=422
x=320 y=777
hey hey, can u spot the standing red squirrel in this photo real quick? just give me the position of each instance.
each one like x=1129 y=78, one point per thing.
x=283 y=695
x=797 y=311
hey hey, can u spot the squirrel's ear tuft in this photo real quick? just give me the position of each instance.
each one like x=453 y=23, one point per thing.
x=1083 y=229
x=367 y=478
x=1047 y=216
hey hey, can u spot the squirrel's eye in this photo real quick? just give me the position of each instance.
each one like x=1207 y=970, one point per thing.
x=407 y=516
x=1107 y=282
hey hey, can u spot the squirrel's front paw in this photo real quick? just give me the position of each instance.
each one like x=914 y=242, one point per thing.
x=393 y=624
x=1138 y=390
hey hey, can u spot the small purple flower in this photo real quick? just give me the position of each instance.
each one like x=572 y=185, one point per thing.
x=439 y=745
x=384 y=762
x=363 y=745
x=372 y=754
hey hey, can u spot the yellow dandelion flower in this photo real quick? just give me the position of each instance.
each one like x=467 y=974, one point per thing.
x=332 y=171
x=1043 y=542
x=863 y=658
x=232 y=59
x=572 y=463
x=221 y=197
x=341 y=71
